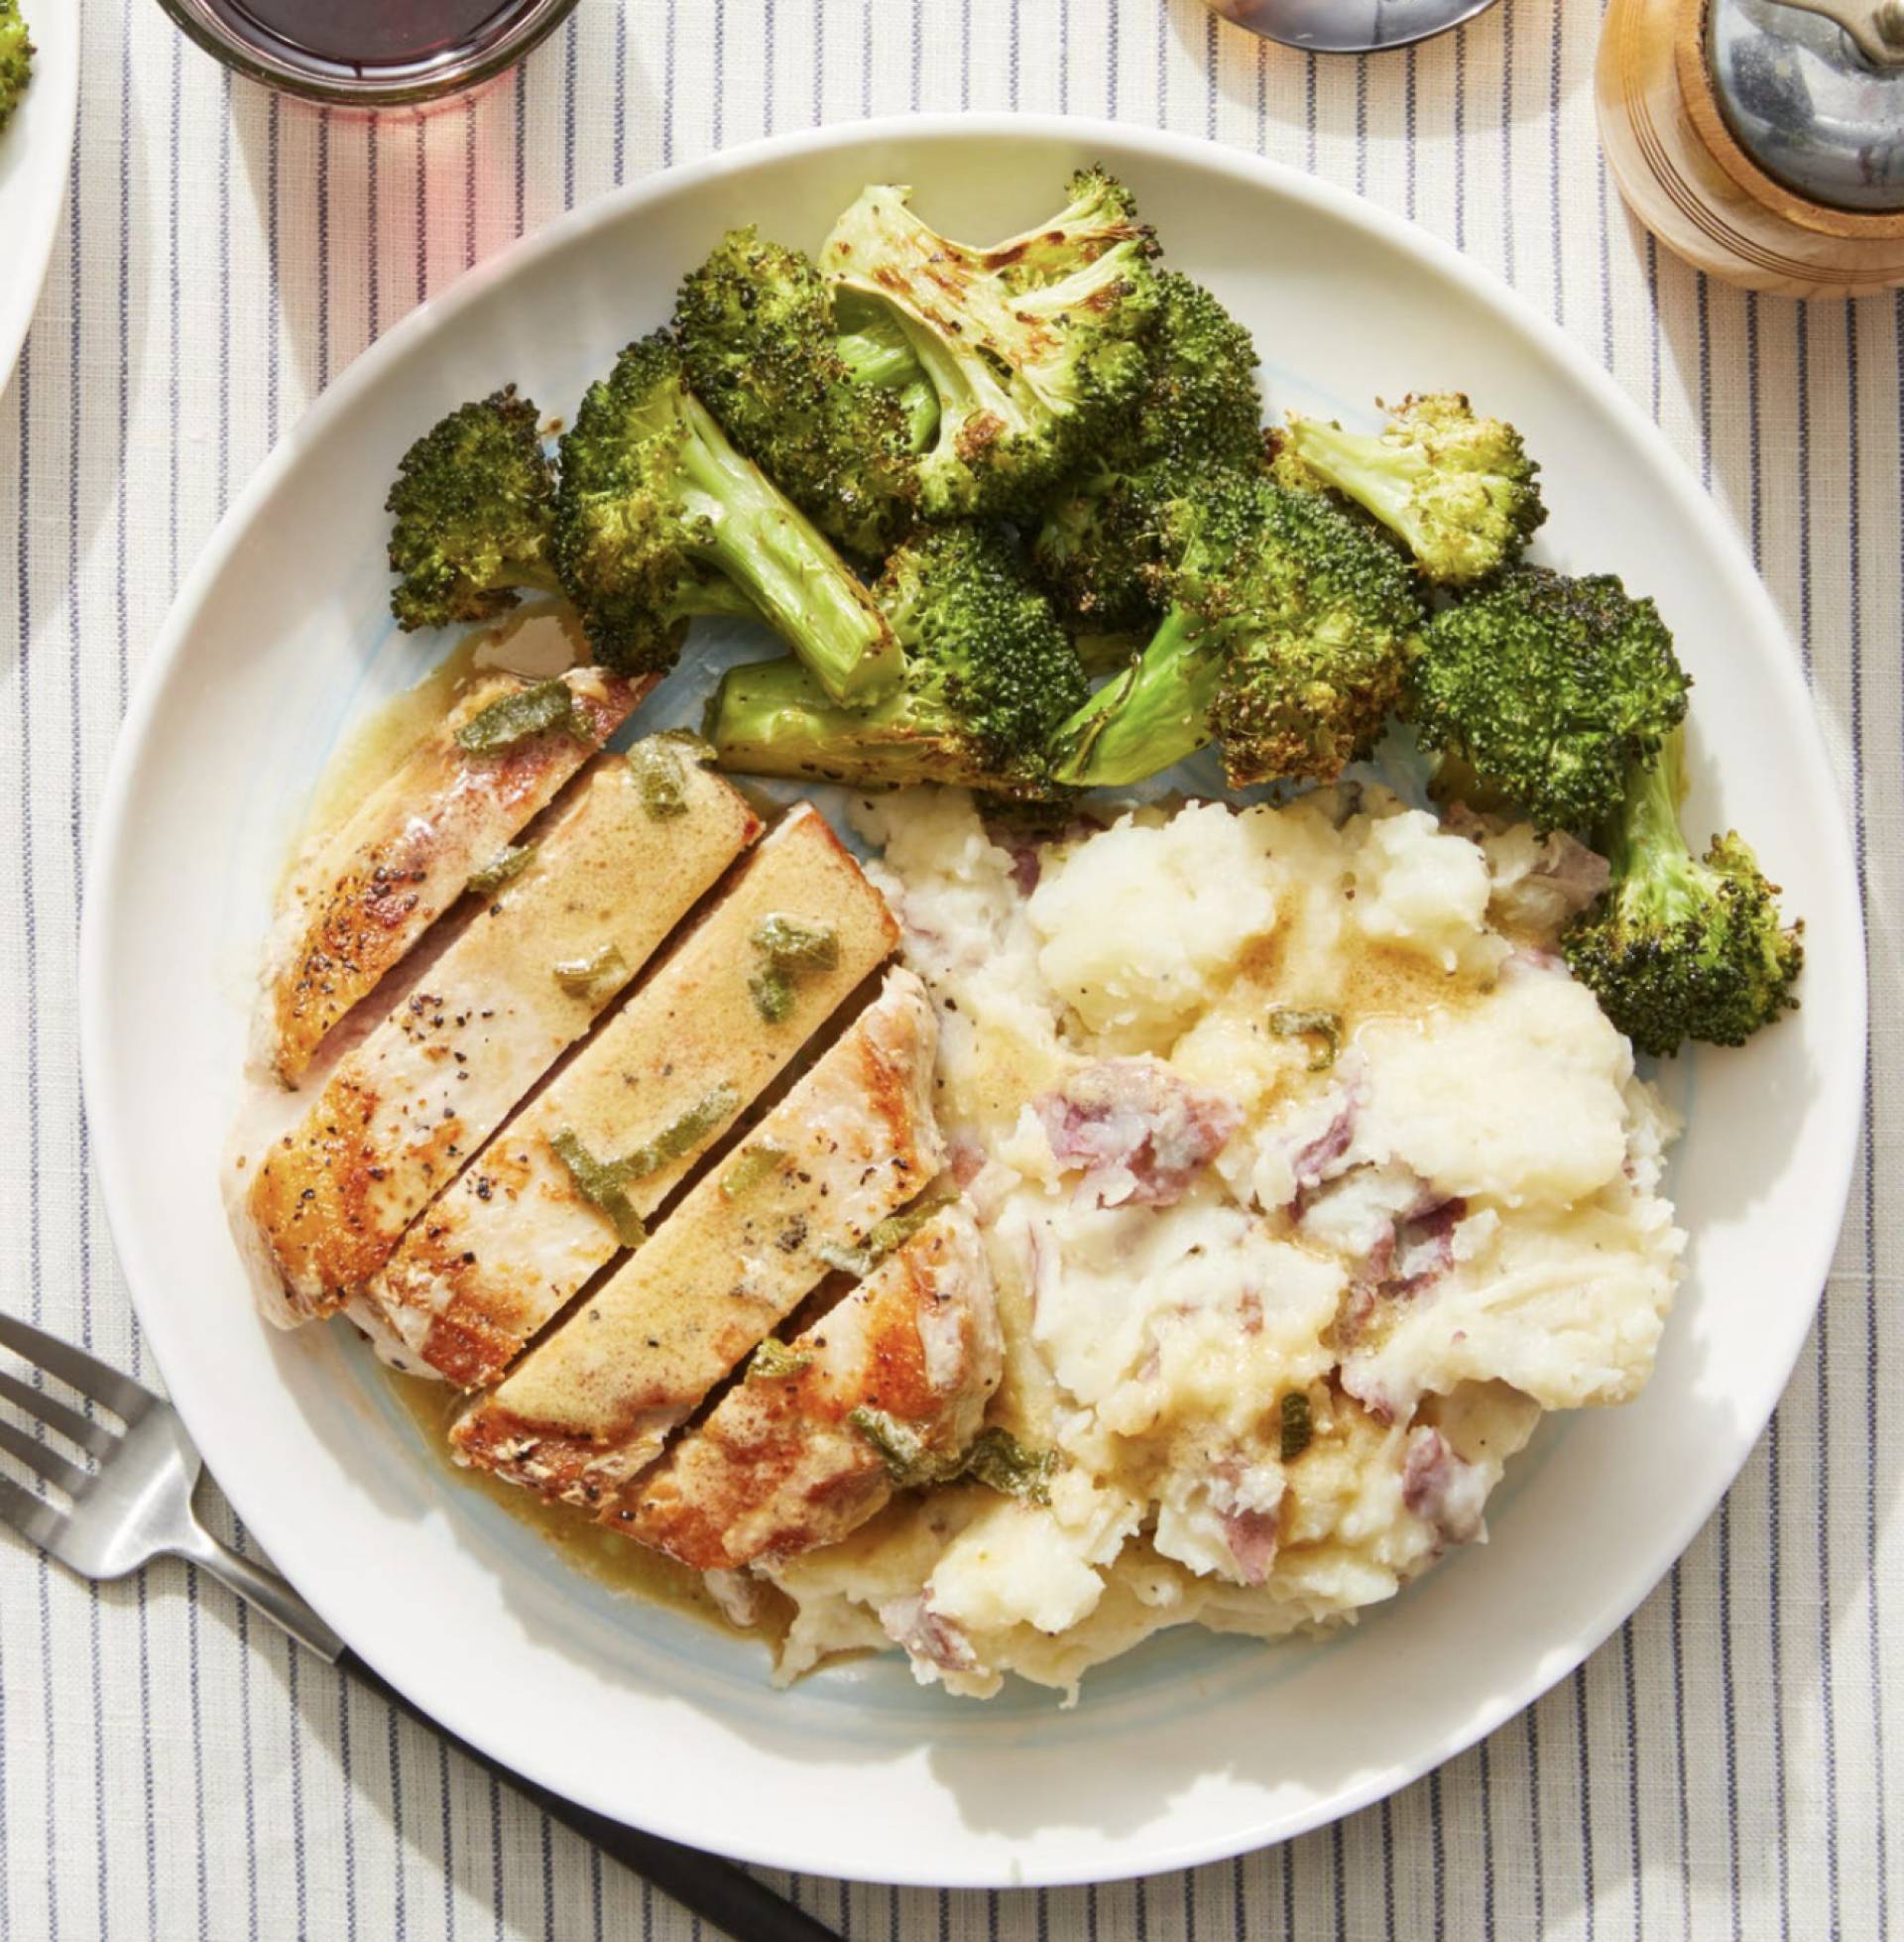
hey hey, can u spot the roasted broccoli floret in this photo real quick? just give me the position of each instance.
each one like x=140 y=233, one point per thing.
x=1680 y=947
x=1027 y=370
x=16 y=59
x=1287 y=638
x=1100 y=214
x=989 y=674
x=655 y=502
x=1097 y=545
x=473 y=510
x=1547 y=687
x=1459 y=491
x=764 y=353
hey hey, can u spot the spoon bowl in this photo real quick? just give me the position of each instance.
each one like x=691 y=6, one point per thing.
x=1348 y=26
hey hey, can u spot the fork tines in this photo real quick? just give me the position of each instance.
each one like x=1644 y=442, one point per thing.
x=96 y=1382
x=34 y=1518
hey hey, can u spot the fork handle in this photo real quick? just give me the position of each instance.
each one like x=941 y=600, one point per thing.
x=715 y=1889
x=260 y=1586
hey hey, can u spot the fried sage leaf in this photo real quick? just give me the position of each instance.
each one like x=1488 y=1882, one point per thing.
x=1287 y=1023
x=772 y=1361
x=606 y=1181
x=582 y=976
x=787 y=950
x=504 y=867
x=529 y=711
x=1001 y=1463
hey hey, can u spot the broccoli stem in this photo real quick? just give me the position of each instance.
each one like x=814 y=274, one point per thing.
x=878 y=357
x=776 y=557
x=877 y=354
x=964 y=386
x=920 y=404
x=712 y=596
x=767 y=718
x=1380 y=477
x=1156 y=712
x=1652 y=863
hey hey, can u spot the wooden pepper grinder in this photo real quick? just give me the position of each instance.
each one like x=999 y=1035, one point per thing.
x=1763 y=139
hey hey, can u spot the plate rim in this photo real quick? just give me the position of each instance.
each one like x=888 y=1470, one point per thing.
x=255 y=1502
x=19 y=307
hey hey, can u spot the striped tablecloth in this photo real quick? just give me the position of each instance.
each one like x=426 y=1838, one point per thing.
x=1719 y=1769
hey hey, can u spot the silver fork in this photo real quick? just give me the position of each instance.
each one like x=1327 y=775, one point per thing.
x=137 y=1503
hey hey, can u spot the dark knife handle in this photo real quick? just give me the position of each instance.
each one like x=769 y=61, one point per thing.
x=715 y=1889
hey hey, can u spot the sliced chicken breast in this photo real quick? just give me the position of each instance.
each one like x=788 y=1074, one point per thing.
x=363 y=894
x=402 y=1111
x=588 y=1409
x=780 y=1465
x=516 y=1236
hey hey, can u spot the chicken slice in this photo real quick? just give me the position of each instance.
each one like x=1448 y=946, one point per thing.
x=401 y=1112
x=777 y=1468
x=503 y=1249
x=365 y=891
x=588 y=1409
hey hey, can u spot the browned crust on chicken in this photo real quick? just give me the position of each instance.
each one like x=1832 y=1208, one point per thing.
x=401 y=1113
x=502 y=1249
x=467 y=1343
x=359 y=900
x=588 y=1409
x=777 y=1468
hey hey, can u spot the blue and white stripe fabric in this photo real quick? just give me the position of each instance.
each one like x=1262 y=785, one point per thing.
x=1720 y=1769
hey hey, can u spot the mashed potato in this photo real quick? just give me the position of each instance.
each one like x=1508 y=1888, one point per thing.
x=1309 y=1178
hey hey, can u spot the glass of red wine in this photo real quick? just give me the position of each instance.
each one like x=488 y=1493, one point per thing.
x=369 y=54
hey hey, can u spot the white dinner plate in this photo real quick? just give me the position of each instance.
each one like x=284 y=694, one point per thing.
x=1193 y=1747
x=35 y=158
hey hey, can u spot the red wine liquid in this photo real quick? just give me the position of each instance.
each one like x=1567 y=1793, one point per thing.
x=366 y=36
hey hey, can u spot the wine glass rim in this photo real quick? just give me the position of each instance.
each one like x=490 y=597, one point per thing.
x=399 y=84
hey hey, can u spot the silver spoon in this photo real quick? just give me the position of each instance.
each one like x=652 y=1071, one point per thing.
x=1348 y=26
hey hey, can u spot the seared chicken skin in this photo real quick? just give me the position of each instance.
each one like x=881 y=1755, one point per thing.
x=363 y=894
x=779 y=1467
x=500 y=1253
x=401 y=1112
x=588 y=1409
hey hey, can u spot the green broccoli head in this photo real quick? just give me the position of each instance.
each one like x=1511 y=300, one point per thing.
x=656 y=510
x=472 y=511
x=1681 y=947
x=1026 y=371
x=989 y=674
x=1459 y=491
x=1547 y=687
x=16 y=59
x=1199 y=400
x=1321 y=621
x=762 y=351
x=1287 y=636
x=1097 y=549
x=1097 y=545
